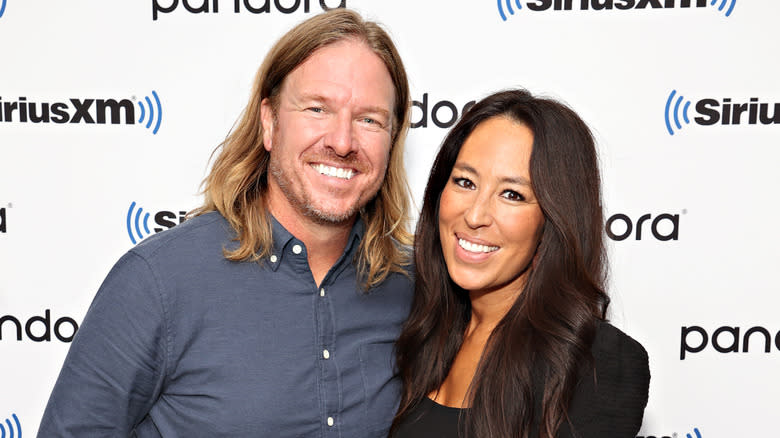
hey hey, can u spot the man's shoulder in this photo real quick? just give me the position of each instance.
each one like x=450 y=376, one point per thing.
x=194 y=235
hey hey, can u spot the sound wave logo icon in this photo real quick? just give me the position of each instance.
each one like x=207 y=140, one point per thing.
x=11 y=426
x=2 y=8
x=696 y=431
x=150 y=109
x=134 y=223
x=674 y=113
x=720 y=8
x=508 y=8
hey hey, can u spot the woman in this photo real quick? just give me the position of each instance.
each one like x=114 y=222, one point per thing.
x=507 y=335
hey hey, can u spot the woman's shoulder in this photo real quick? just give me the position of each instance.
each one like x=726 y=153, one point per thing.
x=622 y=369
x=610 y=398
x=613 y=345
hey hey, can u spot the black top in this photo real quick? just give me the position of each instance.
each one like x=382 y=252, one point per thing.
x=607 y=405
x=429 y=419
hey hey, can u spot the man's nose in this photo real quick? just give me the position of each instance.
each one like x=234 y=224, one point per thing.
x=340 y=136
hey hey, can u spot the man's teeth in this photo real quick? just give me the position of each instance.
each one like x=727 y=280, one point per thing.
x=333 y=171
x=475 y=247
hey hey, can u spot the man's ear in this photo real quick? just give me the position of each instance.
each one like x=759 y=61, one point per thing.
x=267 y=120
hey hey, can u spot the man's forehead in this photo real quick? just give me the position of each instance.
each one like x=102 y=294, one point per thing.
x=339 y=55
x=346 y=69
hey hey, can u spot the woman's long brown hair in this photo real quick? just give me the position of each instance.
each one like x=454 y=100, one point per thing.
x=530 y=365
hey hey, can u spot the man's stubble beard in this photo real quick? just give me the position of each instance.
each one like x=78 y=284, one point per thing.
x=302 y=202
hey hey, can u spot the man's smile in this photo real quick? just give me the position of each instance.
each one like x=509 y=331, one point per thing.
x=338 y=172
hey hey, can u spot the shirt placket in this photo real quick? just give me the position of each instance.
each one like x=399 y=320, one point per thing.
x=329 y=385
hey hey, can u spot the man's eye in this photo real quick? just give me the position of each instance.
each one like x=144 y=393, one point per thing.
x=315 y=109
x=372 y=122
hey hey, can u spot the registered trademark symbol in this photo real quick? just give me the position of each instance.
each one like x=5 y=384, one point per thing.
x=10 y=205
x=674 y=435
x=685 y=211
x=132 y=97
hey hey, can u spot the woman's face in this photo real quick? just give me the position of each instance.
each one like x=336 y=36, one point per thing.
x=489 y=220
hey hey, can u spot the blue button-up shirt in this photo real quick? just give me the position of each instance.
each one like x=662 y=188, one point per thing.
x=180 y=342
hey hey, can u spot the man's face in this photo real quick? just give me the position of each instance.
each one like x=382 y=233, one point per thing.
x=330 y=139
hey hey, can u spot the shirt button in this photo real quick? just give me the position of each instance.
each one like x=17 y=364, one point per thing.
x=274 y=259
x=297 y=249
x=326 y=354
x=330 y=421
x=322 y=292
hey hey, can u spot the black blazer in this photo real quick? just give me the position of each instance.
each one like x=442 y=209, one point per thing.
x=608 y=402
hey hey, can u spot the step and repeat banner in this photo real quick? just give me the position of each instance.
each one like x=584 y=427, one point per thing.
x=109 y=113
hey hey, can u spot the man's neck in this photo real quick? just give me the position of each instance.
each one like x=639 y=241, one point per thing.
x=324 y=242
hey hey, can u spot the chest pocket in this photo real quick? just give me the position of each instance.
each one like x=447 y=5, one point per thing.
x=381 y=387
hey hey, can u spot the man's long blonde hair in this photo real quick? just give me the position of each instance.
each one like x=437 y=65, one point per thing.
x=237 y=184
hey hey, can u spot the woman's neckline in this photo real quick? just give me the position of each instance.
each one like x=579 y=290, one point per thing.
x=435 y=403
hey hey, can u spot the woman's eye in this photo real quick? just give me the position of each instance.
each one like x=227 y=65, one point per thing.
x=463 y=182
x=513 y=195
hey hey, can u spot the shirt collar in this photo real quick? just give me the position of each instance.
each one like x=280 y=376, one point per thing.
x=282 y=239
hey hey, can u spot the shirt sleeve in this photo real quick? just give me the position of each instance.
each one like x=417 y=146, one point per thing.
x=114 y=369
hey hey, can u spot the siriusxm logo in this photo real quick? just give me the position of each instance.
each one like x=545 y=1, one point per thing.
x=443 y=113
x=8 y=423
x=86 y=111
x=509 y=6
x=2 y=8
x=724 y=339
x=35 y=323
x=695 y=434
x=662 y=227
x=137 y=222
x=252 y=6
x=713 y=111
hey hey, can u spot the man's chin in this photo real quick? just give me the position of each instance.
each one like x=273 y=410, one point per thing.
x=331 y=216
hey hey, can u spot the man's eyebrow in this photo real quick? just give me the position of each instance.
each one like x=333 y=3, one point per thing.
x=312 y=96
x=374 y=109
x=317 y=97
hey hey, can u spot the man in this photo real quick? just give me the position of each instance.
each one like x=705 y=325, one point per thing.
x=274 y=310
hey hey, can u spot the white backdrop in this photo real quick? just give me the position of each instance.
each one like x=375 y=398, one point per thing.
x=703 y=259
